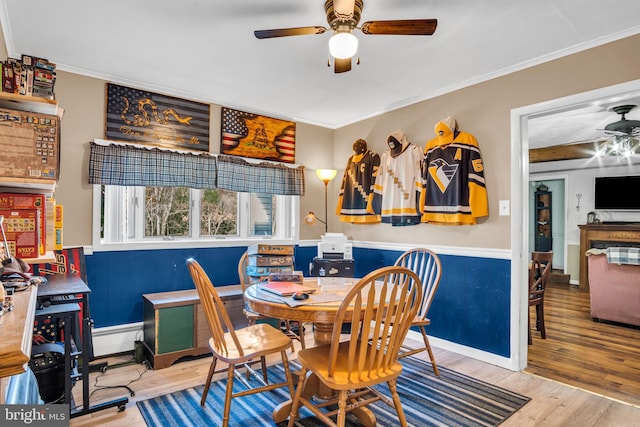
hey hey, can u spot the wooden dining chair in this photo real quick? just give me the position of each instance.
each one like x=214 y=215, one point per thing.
x=380 y=307
x=253 y=317
x=539 y=271
x=426 y=264
x=237 y=347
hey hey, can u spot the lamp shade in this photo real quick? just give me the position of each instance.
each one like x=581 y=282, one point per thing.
x=343 y=45
x=310 y=218
x=326 y=174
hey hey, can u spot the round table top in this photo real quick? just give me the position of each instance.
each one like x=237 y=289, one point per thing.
x=320 y=307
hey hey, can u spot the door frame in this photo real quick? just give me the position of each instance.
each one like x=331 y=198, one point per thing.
x=520 y=211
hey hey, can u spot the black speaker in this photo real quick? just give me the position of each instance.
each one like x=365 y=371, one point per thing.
x=47 y=363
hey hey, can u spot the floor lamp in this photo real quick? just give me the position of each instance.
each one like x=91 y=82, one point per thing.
x=326 y=175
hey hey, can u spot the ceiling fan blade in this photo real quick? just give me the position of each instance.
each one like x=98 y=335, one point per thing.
x=411 y=27
x=341 y=65
x=285 y=32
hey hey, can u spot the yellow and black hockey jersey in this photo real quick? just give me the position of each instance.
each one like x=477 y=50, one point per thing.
x=356 y=191
x=454 y=191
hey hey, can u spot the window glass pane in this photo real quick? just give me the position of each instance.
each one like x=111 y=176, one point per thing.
x=166 y=211
x=219 y=211
x=262 y=213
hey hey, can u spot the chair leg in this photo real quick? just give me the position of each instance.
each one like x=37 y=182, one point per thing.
x=397 y=403
x=296 y=398
x=227 y=396
x=207 y=384
x=263 y=364
x=301 y=335
x=543 y=331
x=289 y=332
x=428 y=346
x=342 y=408
x=287 y=372
x=529 y=324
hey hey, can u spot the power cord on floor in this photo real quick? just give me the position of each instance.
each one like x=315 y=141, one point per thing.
x=145 y=363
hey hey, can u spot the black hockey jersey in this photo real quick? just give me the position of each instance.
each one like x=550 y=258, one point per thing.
x=356 y=191
x=454 y=191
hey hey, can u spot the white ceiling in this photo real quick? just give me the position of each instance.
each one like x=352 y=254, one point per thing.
x=205 y=50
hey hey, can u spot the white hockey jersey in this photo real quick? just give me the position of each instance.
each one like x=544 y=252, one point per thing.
x=398 y=184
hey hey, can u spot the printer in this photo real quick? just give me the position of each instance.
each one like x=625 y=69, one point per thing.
x=335 y=246
x=335 y=257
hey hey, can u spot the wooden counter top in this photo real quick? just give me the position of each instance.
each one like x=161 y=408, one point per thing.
x=16 y=331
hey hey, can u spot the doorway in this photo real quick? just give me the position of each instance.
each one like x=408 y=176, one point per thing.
x=520 y=219
x=556 y=185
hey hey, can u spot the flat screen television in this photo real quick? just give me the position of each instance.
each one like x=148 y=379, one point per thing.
x=617 y=192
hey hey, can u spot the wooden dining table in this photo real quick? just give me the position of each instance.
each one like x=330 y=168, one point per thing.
x=320 y=309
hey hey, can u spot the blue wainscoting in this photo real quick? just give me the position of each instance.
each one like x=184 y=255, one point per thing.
x=471 y=308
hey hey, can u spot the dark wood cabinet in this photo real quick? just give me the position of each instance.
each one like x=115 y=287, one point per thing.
x=543 y=221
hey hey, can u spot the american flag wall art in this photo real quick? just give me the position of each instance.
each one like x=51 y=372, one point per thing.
x=149 y=118
x=257 y=137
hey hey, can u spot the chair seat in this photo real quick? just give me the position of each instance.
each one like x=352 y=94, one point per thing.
x=316 y=360
x=256 y=340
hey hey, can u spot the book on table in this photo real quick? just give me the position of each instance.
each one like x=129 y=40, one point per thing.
x=286 y=289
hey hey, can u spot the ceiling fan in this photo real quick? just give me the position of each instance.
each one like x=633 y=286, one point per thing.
x=623 y=135
x=343 y=17
x=623 y=126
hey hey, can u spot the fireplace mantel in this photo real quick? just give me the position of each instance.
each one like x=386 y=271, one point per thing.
x=627 y=232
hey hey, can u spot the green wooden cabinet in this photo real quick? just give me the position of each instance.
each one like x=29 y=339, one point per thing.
x=175 y=325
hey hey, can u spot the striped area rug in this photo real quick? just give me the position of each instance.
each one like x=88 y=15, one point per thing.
x=452 y=399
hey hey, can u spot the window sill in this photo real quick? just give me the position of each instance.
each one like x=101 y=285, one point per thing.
x=186 y=244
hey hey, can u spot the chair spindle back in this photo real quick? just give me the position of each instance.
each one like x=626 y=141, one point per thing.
x=214 y=310
x=376 y=334
x=426 y=264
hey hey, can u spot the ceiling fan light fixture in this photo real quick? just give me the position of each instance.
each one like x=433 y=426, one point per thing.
x=343 y=45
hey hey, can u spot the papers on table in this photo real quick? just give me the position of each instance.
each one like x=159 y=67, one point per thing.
x=286 y=288
x=317 y=298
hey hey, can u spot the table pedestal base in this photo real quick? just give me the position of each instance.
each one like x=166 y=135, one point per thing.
x=283 y=410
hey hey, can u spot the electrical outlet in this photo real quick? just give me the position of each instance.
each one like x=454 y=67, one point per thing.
x=503 y=208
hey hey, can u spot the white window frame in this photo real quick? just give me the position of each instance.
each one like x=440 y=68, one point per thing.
x=287 y=223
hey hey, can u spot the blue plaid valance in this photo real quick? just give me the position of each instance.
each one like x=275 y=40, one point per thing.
x=238 y=174
x=129 y=165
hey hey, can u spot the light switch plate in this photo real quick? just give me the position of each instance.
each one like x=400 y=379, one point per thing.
x=504 y=208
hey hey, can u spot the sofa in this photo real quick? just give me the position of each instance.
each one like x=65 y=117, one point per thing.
x=615 y=286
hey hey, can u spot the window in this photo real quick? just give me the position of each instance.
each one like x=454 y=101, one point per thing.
x=139 y=215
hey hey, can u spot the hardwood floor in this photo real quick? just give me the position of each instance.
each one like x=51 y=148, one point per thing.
x=553 y=403
x=600 y=357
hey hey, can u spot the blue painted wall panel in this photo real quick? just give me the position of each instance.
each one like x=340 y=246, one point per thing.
x=471 y=307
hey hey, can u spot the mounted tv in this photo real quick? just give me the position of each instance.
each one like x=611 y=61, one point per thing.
x=617 y=193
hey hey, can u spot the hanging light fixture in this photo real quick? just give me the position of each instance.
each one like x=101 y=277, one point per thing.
x=621 y=146
x=343 y=45
x=623 y=134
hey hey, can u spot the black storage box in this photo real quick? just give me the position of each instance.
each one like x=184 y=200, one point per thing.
x=323 y=267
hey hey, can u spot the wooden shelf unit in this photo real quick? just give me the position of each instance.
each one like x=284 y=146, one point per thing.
x=29 y=103
x=543 y=221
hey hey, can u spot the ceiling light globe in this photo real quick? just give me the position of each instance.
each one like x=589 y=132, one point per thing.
x=343 y=45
